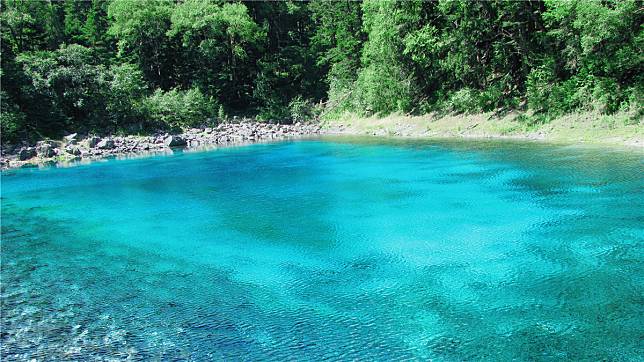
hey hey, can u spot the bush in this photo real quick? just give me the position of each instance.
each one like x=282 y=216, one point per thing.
x=539 y=86
x=221 y=113
x=178 y=108
x=126 y=93
x=12 y=120
x=607 y=95
x=468 y=100
x=273 y=111
x=498 y=95
x=464 y=100
x=546 y=95
x=66 y=88
x=303 y=110
x=384 y=91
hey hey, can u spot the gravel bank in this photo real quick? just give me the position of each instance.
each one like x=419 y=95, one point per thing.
x=74 y=147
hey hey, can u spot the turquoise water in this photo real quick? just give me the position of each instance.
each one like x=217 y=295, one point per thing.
x=339 y=249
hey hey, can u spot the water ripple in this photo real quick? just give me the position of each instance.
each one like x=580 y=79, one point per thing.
x=328 y=250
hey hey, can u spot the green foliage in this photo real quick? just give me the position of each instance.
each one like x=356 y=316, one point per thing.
x=29 y=25
x=220 y=40
x=600 y=53
x=178 y=109
x=339 y=38
x=384 y=85
x=12 y=119
x=221 y=113
x=288 y=68
x=124 y=101
x=464 y=100
x=140 y=27
x=69 y=81
x=112 y=65
x=303 y=110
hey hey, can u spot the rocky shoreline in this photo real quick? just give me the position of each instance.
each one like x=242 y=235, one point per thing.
x=75 y=148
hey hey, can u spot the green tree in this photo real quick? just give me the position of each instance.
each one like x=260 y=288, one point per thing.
x=338 y=39
x=385 y=83
x=220 y=41
x=179 y=109
x=598 y=53
x=288 y=67
x=140 y=29
x=125 y=97
x=71 y=85
x=30 y=25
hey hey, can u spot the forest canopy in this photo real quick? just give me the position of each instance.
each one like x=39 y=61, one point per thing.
x=132 y=65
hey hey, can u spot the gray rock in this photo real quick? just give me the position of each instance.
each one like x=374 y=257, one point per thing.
x=73 y=150
x=174 y=141
x=26 y=153
x=45 y=150
x=106 y=144
x=93 y=141
x=222 y=133
x=71 y=137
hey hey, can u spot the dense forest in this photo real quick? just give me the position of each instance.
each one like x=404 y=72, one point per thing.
x=133 y=65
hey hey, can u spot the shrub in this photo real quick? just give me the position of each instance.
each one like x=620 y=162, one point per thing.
x=607 y=95
x=539 y=88
x=221 y=113
x=66 y=82
x=273 y=110
x=178 y=108
x=12 y=120
x=464 y=100
x=126 y=93
x=546 y=95
x=303 y=110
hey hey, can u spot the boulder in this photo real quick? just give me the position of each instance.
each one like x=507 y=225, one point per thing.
x=93 y=141
x=45 y=150
x=106 y=144
x=26 y=153
x=73 y=150
x=71 y=137
x=174 y=141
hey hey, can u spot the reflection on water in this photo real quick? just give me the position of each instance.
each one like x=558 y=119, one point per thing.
x=338 y=248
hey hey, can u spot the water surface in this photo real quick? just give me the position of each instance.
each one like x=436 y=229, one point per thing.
x=338 y=249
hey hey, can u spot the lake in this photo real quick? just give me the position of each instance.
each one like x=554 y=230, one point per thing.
x=334 y=248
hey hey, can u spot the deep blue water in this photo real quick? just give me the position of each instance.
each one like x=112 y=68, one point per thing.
x=339 y=249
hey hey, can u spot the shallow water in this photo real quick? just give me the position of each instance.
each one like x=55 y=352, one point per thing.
x=338 y=249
